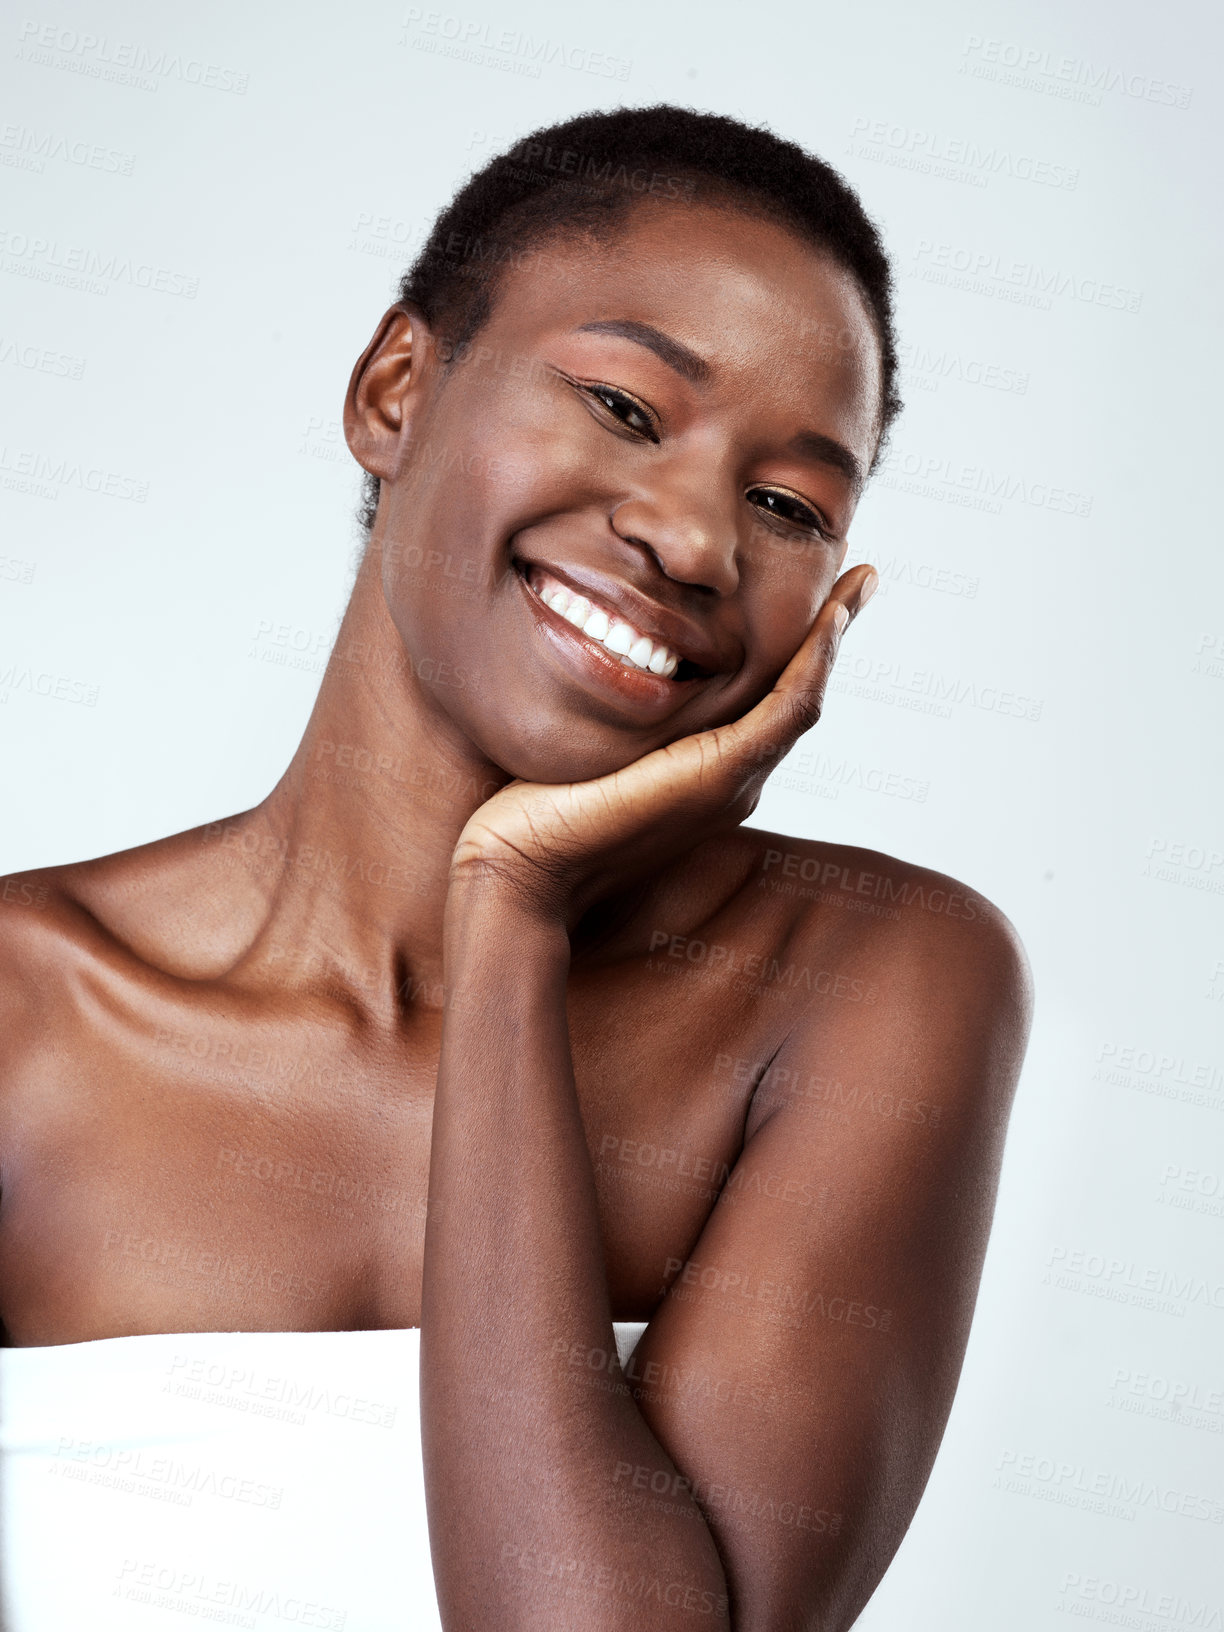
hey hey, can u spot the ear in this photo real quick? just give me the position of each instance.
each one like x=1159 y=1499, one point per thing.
x=384 y=388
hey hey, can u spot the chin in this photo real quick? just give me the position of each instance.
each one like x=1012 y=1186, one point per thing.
x=560 y=761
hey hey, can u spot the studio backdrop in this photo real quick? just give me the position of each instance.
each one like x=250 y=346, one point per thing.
x=206 y=210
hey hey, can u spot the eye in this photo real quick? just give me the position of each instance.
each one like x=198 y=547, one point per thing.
x=635 y=416
x=789 y=509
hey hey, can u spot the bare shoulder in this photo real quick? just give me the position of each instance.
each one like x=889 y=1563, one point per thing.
x=47 y=942
x=180 y=905
x=877 y=893
x=931 y=943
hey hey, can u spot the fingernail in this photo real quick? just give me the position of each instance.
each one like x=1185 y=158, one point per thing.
x=869 y=589
x=841 y=617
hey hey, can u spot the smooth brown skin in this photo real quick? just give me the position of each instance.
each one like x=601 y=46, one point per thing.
x=222 y=1067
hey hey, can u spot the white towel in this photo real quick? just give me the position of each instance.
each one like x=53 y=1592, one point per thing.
x=267 y=1480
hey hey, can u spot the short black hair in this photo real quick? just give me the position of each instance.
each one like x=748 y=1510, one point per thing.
x=585 y=174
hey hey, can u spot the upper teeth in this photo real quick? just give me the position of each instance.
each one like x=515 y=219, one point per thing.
x=632 y=647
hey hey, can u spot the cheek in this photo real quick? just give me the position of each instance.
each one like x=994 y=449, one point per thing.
x=789 y=580
x=449 y=516
x=429 y=588
x=487 y=468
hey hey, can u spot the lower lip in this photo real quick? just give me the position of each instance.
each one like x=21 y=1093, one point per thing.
x=587 y=659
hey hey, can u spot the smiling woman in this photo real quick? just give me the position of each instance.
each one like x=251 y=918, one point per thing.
x=532 y=1041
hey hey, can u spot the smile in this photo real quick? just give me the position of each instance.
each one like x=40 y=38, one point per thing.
x=629 y=646
x=612 y=659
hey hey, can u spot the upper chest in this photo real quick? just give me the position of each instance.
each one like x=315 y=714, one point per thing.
x=199 y=1164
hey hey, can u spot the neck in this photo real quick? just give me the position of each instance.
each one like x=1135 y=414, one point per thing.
x=356 y=837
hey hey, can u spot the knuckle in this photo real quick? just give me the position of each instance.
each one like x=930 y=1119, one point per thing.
x=804 y=707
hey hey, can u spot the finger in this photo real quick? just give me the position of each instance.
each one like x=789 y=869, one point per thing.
x=727 y=761
x=770 y=730
x=852 y=591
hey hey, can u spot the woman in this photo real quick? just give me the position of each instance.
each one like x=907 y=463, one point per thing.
x=575 y=1048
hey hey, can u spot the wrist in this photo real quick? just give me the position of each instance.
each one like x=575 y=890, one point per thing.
x=499 y=954
x=494 y=909
x=504 y=887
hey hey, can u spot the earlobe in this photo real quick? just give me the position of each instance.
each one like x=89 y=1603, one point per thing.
x=378 y=404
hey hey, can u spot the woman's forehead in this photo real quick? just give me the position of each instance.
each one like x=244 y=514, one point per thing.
x=737 y=279
x=747 y=295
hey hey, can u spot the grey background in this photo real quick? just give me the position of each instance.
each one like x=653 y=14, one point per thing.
x=1032 y=703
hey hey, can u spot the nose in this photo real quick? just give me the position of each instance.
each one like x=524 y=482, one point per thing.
x=687 y=522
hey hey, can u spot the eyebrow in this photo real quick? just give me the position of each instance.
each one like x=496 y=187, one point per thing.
x=829 y=451
x=685 y=362
x=826 y=450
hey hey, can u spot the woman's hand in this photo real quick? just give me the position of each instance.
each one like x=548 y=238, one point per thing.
x=561 y=847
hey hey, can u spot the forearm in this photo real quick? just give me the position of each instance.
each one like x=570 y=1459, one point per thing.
x=532 y=1517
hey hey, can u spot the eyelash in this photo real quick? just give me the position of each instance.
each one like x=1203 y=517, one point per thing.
x=815 y=525
x=601 y=392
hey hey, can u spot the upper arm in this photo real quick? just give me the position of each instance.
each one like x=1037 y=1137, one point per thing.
x=802 y=1366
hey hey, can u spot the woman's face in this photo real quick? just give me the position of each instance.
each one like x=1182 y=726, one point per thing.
x=671 y=431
